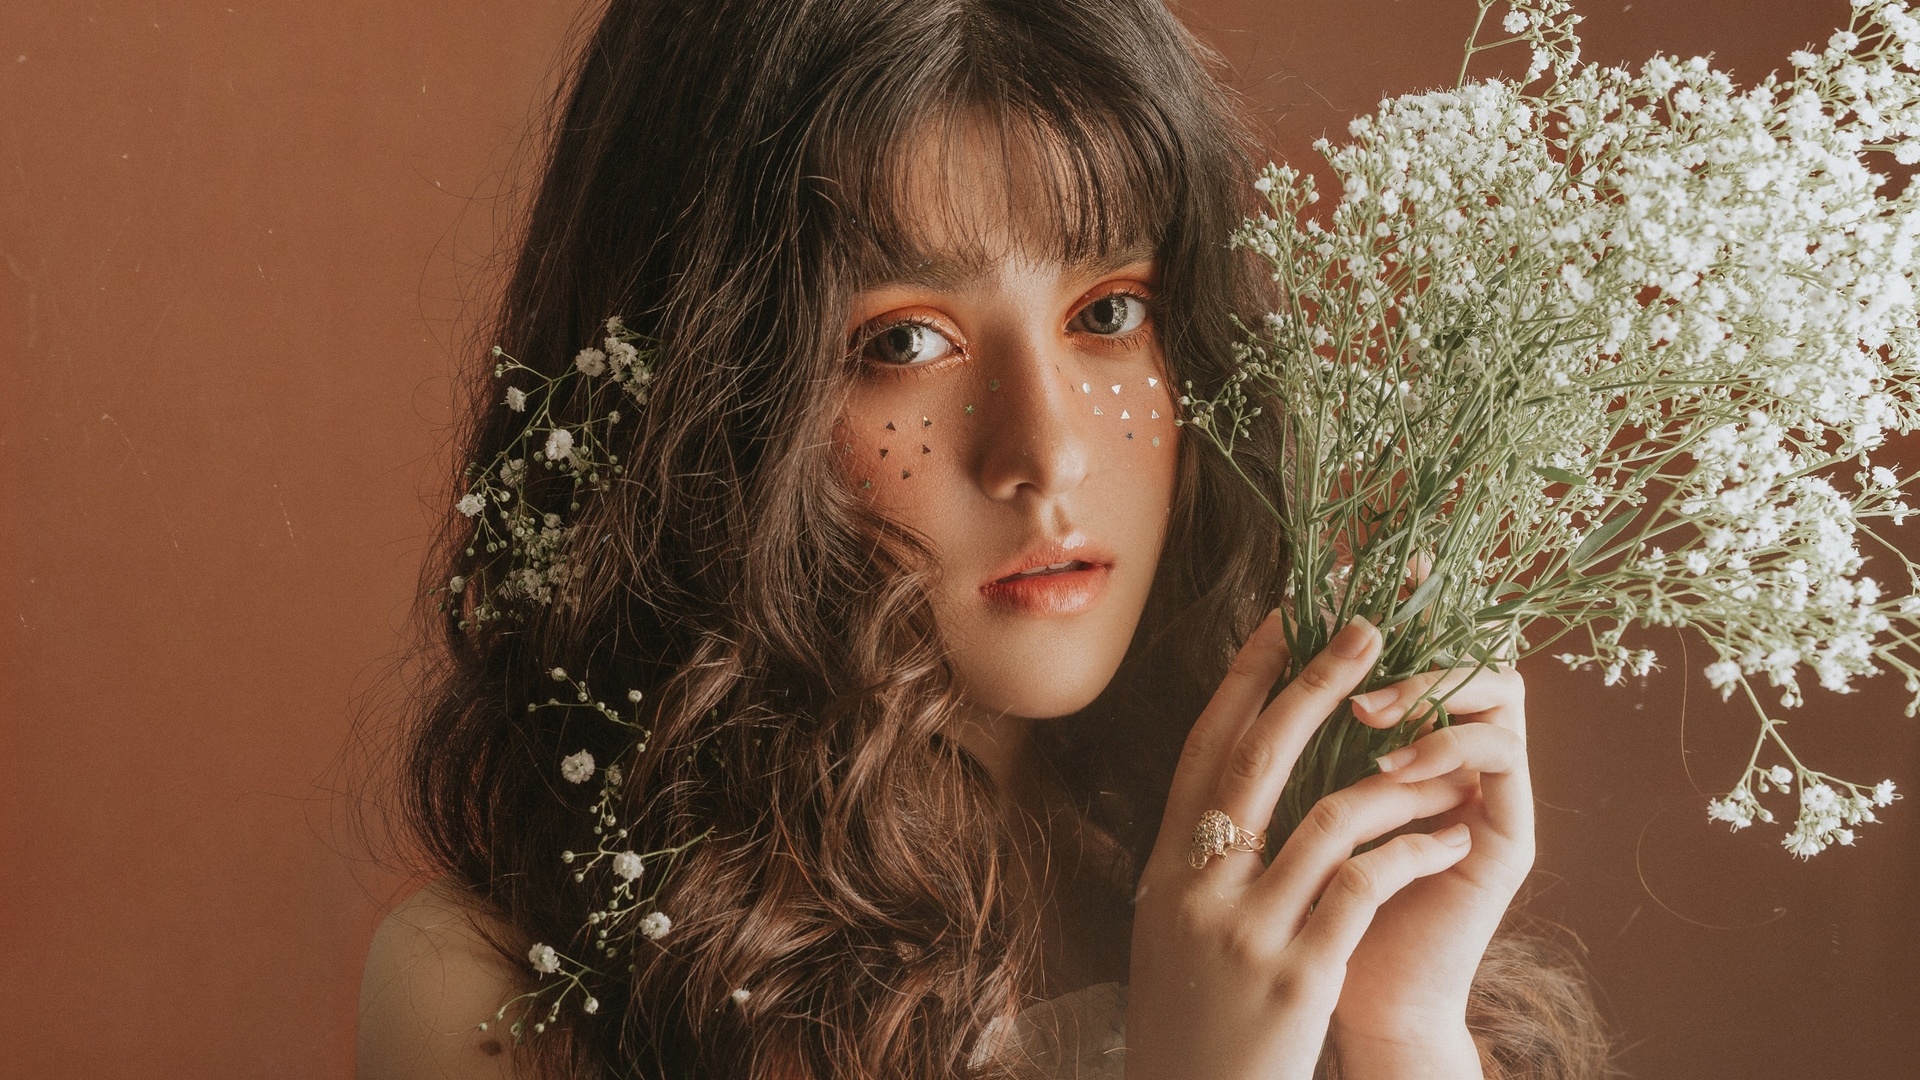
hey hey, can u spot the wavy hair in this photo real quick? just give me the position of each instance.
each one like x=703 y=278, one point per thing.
x=723 y=175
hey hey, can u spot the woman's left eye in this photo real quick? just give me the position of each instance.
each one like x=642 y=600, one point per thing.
x=1112 y=315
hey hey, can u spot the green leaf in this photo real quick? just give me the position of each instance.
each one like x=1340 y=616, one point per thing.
x=1560 y=475
x=1597 y=540
x=1417 y=603
x=1500 y=610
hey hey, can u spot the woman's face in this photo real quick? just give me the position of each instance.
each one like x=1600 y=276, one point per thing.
x=1014 y=411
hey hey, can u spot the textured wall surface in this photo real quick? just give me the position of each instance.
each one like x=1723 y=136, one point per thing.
x=240 y=241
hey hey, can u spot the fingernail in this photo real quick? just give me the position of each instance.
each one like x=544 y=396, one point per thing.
x=1398 y=759
x=1375 y=700
x=1352 y=639
x=1453 y=835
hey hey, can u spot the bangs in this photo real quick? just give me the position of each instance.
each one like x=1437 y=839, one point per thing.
x=1078 y=165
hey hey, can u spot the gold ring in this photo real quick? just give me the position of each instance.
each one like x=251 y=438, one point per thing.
x=1216 y=834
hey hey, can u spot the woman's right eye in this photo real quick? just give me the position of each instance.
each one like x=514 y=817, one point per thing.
x=907 y=344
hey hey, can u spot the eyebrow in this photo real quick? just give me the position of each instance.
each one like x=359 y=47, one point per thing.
x=949 y=271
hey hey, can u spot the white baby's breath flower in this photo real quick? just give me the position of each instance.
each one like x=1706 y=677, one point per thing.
x=471 y=504
x=513 y=471
x=1780 y=775
x=655 y=925
x=614 y=775
x=516 y=399
x=621 y=355
x=544 y=959
x=559 y=444
x=577 y=768
x=590 y=361
x=590 y=1006
x=740 y=995
x=1883 y=793
x=628 y=865
x=1723 y=676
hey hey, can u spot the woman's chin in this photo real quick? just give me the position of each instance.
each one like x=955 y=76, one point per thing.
x=1035 y=688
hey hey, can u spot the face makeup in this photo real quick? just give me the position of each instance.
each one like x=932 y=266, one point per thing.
x=1013 y=411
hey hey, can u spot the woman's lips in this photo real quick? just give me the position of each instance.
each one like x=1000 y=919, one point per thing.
x=1061 y=587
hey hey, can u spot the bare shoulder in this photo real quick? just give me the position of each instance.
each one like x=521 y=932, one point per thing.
x=431 y=979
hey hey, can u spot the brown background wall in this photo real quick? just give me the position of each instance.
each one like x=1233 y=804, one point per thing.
x=237 y=238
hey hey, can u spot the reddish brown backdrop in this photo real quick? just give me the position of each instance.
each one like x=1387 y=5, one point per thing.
x=237 y=238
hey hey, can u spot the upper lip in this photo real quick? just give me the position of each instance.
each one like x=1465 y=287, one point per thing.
x=1074 y=548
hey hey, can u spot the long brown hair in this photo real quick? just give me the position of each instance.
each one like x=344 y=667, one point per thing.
x=723 y=175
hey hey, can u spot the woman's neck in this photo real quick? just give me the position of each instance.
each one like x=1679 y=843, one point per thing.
x=1003 y=744
x=1079 y=949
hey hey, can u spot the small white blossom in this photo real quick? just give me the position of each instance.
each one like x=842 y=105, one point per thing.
x=1883 y=793
x=544 y=959
x=577 y=768
x=655 y=925
x=559 y=444
x=628 y=865
x=516 y=399
x=471 y=505
x=740 y=995
x=591 y=1005
x=590 y=361
x=621 y=355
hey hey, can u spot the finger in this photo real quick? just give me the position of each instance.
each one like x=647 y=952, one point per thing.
x=1498 y=756
x=1335 y=826
x=1257 y=768
x=1368 y=880
x=1257 y=666
x=1498 y=692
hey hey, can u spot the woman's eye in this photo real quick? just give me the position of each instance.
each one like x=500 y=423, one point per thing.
x=1112 y=315
x=905 y=344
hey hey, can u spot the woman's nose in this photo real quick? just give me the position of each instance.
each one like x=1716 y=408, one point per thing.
x=1033 y=441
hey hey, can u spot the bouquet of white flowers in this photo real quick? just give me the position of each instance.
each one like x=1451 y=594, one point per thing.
x=1596 y=349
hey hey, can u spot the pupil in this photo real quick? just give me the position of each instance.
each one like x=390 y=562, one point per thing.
x=903 y=342
x=1108 y=314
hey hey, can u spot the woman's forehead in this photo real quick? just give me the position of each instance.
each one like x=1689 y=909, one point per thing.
x=965 y=195
x=952 y=270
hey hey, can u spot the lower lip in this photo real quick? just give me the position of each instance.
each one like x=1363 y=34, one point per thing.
x=1063 y=593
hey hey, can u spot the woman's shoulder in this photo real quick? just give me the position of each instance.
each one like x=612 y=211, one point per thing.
x=433 y=975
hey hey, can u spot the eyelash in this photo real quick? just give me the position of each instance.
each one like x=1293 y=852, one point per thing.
x=1105 y=341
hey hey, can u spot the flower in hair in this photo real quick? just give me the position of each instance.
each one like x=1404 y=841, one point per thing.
x=577 y=768
x=544 y=959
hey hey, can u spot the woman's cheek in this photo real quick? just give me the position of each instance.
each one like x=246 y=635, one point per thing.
x=899 y=449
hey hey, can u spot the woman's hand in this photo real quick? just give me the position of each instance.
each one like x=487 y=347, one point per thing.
x=1407 y=981
x=1237 y=966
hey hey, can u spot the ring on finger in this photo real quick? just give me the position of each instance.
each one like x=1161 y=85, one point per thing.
x=1216 y=834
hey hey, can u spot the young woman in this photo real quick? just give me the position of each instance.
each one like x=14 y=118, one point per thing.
x=946 y=640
